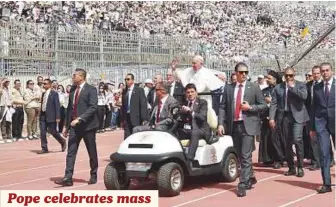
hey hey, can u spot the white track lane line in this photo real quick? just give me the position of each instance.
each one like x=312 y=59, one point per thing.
x=298 y=200
x=221 y=192
x=50 y=154
x=45 y=178
x=47 y=166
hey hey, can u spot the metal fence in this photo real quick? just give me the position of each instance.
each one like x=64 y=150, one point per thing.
x=54 y=50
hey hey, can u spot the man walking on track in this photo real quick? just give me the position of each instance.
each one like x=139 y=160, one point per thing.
x=323 y=124
x=82 y=122
x=239 y=117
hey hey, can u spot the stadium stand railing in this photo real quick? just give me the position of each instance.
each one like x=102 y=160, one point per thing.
x=31 y=49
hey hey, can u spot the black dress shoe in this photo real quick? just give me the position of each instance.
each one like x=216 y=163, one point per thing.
x=43 y=152
x=324 y=189
x=277 y=165
x=300 y=172
x=63 y=146
x=241 y=191
x=314 y=167
x=290 y=172
x=64 y=182
x=251 y=182
x=93 y=180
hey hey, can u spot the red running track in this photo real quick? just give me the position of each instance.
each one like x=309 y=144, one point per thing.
x=23 y=169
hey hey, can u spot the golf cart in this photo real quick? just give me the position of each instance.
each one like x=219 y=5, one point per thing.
x=161 y=155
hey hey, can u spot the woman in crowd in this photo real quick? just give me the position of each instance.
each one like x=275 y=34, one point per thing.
x=109 y=107
x=32 y=105
x=102 y=101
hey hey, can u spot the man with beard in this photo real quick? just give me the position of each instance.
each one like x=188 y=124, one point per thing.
x=272 y=146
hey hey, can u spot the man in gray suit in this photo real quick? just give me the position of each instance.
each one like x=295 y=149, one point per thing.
x=161 y=118
x=289 y=113
x=239 y=117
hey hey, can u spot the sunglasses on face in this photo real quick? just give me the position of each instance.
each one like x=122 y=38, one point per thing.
x=243 y=72
x=289 y=75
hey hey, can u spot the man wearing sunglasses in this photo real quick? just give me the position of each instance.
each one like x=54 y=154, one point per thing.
x=134 y=106
x=288 y=113
x=239 y=117
x=161 y=117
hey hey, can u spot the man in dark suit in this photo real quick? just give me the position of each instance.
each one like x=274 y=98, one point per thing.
x=239 y=117
x=82 y=122
x=160 y=118
x=134 y=106
x=195 y=125
x=289 y=113
x=176 y=87
x=313 y=142
x=323 y=112
x=50 y=117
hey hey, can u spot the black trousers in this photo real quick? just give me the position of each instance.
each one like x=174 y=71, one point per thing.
x=108 y=118
x=244 y=145
x=101 y=116
x=128 y=126
x=194 y=135
x=75 y=137
x=17 y=122
x=293 y=133
x=51 y=128
x=62 y=121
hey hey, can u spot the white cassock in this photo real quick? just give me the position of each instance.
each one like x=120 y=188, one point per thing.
x=205 y=81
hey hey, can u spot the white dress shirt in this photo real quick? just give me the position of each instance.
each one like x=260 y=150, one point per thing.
x=130 y=91
x=242 y=98
x=80 y=89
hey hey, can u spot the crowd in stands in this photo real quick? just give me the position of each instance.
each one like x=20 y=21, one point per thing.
x=225 y=30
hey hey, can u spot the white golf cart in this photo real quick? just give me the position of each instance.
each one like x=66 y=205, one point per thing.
x=161 y=155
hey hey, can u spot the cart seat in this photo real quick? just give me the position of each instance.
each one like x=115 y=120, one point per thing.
x=186 y=142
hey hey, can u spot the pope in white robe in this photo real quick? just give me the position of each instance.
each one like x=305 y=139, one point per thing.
x=204 y=80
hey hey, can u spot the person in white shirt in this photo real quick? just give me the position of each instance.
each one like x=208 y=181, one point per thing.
x=6 y=106
x=204 y=79
x=62 y=99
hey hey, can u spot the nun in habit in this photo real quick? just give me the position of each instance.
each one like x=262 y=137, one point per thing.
x=271 y=145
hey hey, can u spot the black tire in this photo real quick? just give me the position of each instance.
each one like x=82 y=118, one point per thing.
x=164 y=175
x=229 y=171
x=115 y=178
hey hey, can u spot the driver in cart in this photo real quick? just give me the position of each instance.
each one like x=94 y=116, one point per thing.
x=194 y=125
x=161 y=117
